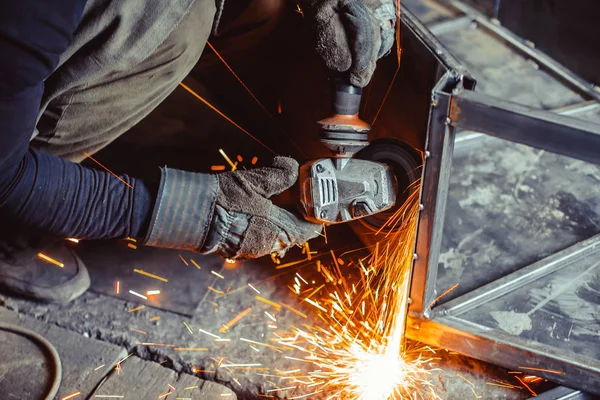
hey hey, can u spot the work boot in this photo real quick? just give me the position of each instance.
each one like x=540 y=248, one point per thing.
x=41 y=277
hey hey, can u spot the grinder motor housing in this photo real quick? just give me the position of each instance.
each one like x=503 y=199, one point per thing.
x=335 y=190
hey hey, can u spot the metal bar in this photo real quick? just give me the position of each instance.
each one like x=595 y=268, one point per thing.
x=558 y=134
x=580 y=85
x=506 y=350
x=575 y=109
x=467 y=140
x=496 y=9
x=450 y=25
x=434 y=192
x=563 y=393
x=517 y=279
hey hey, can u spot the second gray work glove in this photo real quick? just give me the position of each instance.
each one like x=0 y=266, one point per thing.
x=228 y=213
x=246 y=224
x=353 y=34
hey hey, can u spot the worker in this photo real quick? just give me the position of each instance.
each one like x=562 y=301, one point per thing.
x=76 y=74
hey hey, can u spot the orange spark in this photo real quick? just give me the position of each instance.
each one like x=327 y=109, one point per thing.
x=231 y=163
x=534 y=394
x=190 y=348
x=148 y=274
x=196 y=95
x=194 y=263
x=141 y=296
x=293 y=310
x=215 y=290
x=550 y=371
x=107 y=170
x=189 y=328
x=442 y=295
x=217 y=274
x=70 y=396
x=387 y=93
x=235 y=320
x=217 y=168
x=501 y=385
x=269 y=302
x=50 y=260
x=183 y=259
x=253 y=288
x=247 y=89
x=290 y=264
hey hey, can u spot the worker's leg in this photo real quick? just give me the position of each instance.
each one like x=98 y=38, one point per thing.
x=98 y=93
x=118 y=69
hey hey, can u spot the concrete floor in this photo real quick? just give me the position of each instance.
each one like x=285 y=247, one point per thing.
x=499 y=72
x=106 y=318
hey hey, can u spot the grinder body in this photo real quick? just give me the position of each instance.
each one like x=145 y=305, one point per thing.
x=343 y=188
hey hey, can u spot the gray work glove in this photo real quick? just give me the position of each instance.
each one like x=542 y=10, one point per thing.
x=353 y=34
x=246 y=224
x=228 y=213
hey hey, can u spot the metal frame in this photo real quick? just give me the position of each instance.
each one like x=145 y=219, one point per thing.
x=454 y=108
x=467 y=141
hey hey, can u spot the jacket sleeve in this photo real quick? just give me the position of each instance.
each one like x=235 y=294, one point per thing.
x=37 y=190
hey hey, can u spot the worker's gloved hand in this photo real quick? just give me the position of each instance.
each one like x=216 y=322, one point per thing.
x=229 y=213
x=353 y=34
x=246 y=224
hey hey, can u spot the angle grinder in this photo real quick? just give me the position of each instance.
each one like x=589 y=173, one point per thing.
x=343 y=188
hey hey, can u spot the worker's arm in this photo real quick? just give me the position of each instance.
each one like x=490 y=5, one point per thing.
x=229 y=213
x=353 y=34
x=37 y=190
